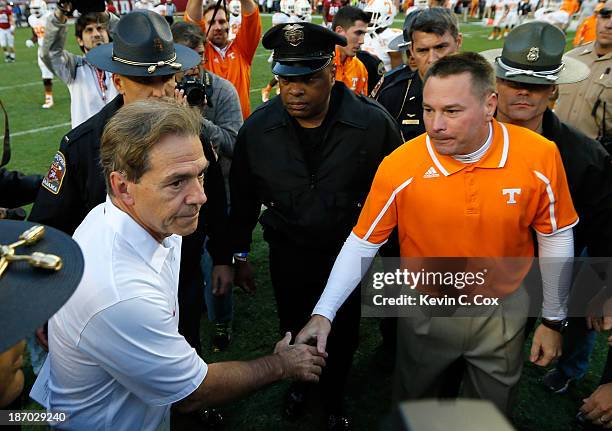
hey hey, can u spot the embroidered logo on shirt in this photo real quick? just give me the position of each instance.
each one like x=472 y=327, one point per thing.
x=431 y=173
x=55 y=176
x=512 y=194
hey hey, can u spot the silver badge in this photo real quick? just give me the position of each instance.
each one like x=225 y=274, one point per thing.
x=294 y=35
x=533 y=54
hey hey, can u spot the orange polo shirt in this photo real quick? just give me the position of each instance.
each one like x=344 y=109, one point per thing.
x=586 y=31
x=352 y=72
x=445 y=208
x=234 y=62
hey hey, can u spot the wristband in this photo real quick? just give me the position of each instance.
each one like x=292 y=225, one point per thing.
x=555 y=325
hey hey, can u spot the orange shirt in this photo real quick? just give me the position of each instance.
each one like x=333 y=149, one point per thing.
x=443 y=207
x=586 y=31
x=570 y=6
x=352 y=72
x=234 y=64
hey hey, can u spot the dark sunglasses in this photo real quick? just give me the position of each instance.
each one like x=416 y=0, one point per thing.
x=605 y=13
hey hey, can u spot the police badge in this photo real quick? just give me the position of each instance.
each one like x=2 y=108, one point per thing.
x=55 y=176
x=533 y=54
x=294 y=35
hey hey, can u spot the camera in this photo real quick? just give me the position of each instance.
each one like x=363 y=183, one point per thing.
x=83 y=6
x=194 y=89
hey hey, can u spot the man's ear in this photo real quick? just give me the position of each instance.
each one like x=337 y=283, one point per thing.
x=119 y=185
x=491 y=106
x=118 y=82
x=459 y=41
x=80 y=42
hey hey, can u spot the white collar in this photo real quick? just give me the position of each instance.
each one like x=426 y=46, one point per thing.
x=479 y=153
x=149 y=249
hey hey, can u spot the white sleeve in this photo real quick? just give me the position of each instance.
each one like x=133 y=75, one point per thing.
x=557 y=272
x=137 y=342
x=351 y=265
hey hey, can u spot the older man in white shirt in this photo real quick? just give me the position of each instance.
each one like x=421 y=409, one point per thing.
x=116 y=358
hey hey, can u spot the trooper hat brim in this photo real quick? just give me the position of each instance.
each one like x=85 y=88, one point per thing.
x=102 y=58
x=30 y=296
x=398 y=44
x=302 y=68
x=574 y=70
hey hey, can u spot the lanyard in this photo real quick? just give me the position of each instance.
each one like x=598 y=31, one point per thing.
x=101 y=77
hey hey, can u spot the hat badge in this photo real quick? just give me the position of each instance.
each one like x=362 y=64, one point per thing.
x=533 y=54
x=294 y=35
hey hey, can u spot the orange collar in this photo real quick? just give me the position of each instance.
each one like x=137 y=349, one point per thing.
x=495 y=157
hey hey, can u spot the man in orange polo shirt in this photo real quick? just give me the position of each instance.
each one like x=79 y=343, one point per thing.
x=464 y=189
x=231 y=60
x=352 y=23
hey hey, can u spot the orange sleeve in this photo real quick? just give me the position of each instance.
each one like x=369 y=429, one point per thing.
x=202 y=22
x=247 y=38
x=379 y=214
x=579 y=34
x=555 y=211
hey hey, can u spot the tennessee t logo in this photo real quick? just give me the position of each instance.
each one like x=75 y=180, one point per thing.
x=512 y=193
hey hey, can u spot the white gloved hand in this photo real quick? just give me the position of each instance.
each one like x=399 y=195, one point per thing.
x=29 y=43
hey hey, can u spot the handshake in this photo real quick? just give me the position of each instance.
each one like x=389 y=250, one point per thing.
x=30 y=43
x=302 y=360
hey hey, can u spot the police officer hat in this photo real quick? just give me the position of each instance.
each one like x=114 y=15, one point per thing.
x=533 y=54
x=143 y=46
x=30 y=295
x=301 y=48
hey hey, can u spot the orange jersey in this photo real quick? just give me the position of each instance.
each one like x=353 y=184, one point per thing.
x=586 y=31
x=235 y=62
x=352 y=72
x=570 y=6
x=443 y=207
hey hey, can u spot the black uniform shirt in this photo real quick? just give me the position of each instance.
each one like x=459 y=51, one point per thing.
x=401 y=93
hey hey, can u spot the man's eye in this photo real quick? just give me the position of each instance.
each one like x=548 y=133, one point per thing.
x=177 y=184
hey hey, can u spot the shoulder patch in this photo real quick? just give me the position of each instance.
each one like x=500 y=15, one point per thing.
x=380 y=69
x=55 y=176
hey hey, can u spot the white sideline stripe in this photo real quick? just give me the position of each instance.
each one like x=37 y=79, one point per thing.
x=386 y=207
x=27 y=84
x=39 y=129
x=551 y=198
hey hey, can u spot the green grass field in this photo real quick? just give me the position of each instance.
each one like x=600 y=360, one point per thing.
x=36 y=134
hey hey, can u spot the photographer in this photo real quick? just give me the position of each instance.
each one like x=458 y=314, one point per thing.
x=221 y=119
x=90 y=88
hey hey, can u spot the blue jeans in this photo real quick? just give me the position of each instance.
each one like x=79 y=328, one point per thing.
x=220 y=308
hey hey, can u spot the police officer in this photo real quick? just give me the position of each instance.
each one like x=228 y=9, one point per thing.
x=587 y=105
x=535 y=51
x=309 y=156
x=432 y=33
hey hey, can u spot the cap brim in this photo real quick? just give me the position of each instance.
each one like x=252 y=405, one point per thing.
x=574 y=71
x=101 y=57
x=398 y=44
x=299 y=68
x=30 y=296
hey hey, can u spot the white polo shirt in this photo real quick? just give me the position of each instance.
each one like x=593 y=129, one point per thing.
x=117 y=360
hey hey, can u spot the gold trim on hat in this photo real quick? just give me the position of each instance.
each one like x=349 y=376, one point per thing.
x=151 y=67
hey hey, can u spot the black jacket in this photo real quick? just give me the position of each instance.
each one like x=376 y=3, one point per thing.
x=305 y=207
x=401 y=93
x=589 y=175
x=17 y=189
x=75 y=185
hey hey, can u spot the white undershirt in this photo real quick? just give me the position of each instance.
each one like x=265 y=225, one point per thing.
x=479 y=153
